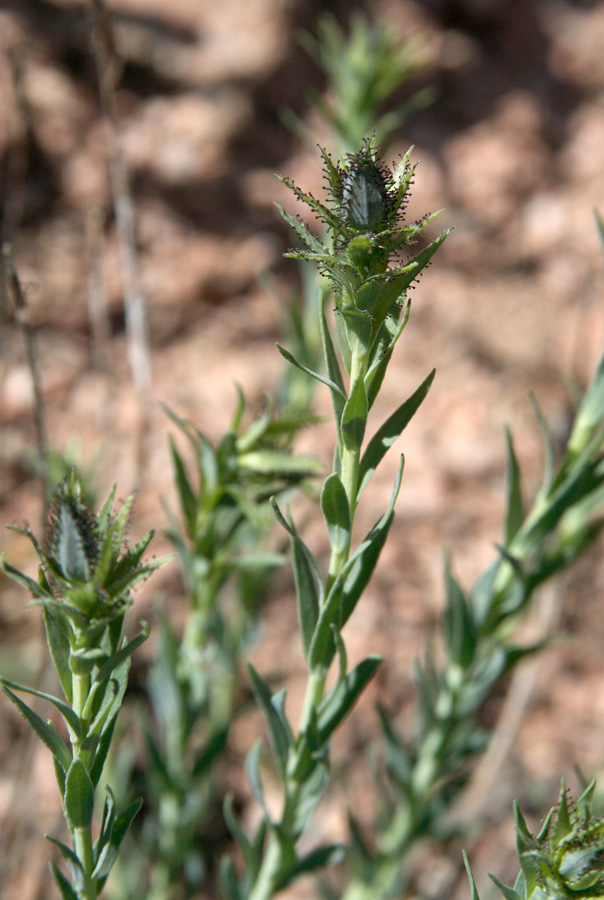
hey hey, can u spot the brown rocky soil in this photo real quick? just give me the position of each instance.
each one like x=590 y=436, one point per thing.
x=512 y=147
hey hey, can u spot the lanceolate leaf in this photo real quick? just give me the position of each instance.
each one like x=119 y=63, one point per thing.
x=309 y=583
x=349 y=585
x=330 y=384
x=58 y=643
x=474 y=892
x=329 y=855
x=343 y=697
x=66 y=711
x=301 y=230
x=388 y=433
x=247 y=849
x=458 y=625
x=109 y=852
x=278 y=732
x=354 y=416
x=123 y=654
x=73 y=863
x=79 y=796
x=360 y=566
x=548 y=442
x=252 y=769
x=48 y=735
x=67 y=892
x=336 y=510
x=338 y=397
x=382 y=352
x=229 y=885
x=514 y=512
x=102 y=751
x=25 y=581
x=208 y=754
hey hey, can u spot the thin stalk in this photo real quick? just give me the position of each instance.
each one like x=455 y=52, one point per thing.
x=273 y=863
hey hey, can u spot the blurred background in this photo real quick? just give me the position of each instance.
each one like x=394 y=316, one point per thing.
x=505 y=109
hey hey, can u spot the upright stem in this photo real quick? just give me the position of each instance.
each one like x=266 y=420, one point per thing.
x=273 y=862
x=82 y=837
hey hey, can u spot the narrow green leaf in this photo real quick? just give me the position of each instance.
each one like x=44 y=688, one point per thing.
x=66 y=711
x=107 y=821
x=359 y=568
x=338 y=398
x=342 y=655
x=350 y=584
x=78 y=799
x=588 y=420
x=229 y=885
x=103 y=749
x=48 y=735
x=379 y=294
x=30 y=585
x=482 y=595
x=301 y=230
x=308 y=581
x=252 y=770
x=336 y=510
x=57 y=632
x=156 y=764
x=576 y=484
x=341 y=700
x=205 y=757
x=508 y=892
x=65 y=889
x=103 y=516
x=474 y=892
x=74 y=865
x=311 y=790
x=381 y=351
x=399 y=758
x=354 y=417
x=252 y=860
x=333 y=387
x=110 y=850
x=550 y=452
x=188 y=500
x=459 y=628
x=124 y=653
x=329 y=855
x=279 y=737
x=388 y=433
x=59 y=775
x=129 y=561
x=251 y=439
x=123 y=585
x=120 y=520
x=317 y=207
x=514 y=516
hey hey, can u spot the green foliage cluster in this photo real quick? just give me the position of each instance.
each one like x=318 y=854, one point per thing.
x=85 y=576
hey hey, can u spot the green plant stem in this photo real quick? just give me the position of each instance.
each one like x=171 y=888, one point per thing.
x=82 y=839
x=273 y=863
x=266 y=882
